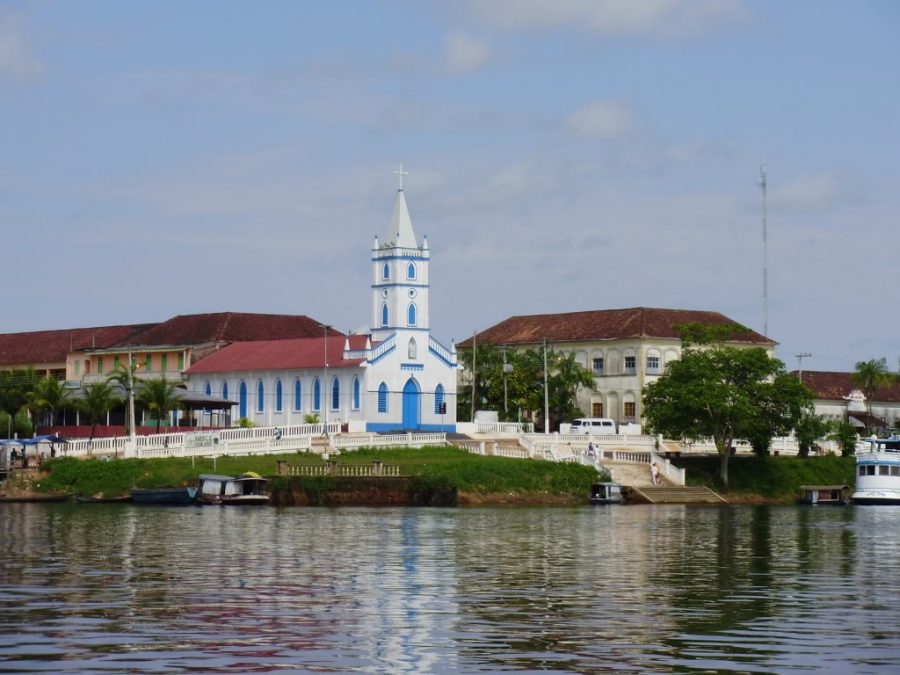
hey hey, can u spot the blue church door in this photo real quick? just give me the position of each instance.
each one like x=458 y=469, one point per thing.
x=411 y=404
x=242 y=399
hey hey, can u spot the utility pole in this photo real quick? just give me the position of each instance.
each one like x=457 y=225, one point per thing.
x=474 y=373
x=132 y=435
x=325 y=388
x=765 y=242
x=506 y=369
x=546 y=393
x=800 y=357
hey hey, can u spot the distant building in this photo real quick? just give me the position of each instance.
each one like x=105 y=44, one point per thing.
x=837 y=397
x=626 y=349
x=396 y=377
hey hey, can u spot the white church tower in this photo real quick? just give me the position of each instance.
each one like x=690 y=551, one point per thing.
x=411 y=377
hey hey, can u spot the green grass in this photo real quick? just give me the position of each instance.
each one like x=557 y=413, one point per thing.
x=433 y=467
x=777 y=478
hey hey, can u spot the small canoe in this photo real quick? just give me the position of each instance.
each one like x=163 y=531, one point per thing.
x=36 y=498
x=177 y=496
x=96 y=499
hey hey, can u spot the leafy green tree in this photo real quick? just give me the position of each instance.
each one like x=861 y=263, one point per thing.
x=871 y=376
x=124 y=377
x=158 y=396
x=809 y=429
x=96 y=401
x=844 y=434
x=51 y=396
x=724 y=393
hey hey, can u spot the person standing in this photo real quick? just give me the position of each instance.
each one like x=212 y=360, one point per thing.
x=654 y=473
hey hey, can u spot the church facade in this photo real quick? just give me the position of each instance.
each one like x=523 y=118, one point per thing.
x=396 y=377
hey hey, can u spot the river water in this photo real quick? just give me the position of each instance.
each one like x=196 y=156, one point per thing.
x=119 y=588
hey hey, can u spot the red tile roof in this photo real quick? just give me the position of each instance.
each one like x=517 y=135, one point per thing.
x=834 y=386
x=279 y=355
x=604 y=324
x=51 y=346
x=189 y=329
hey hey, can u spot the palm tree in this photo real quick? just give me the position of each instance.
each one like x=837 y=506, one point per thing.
x=158 y=396
x=52 y=395
x=123 y=376
x=870 y=376
x=96 y=401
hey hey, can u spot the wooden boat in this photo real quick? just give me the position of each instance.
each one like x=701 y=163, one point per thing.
x=244 y=490
x=100 y=499
x=825 y=495
x=878 y=472
x=176 y=496
x=36 y=498
x=606 y=493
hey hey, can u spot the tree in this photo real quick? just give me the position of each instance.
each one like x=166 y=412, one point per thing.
x=158 y=396
x=844 y=434
x=17 y=395
x=96 y=401
x=123 y=376
x=870 y=376
x=809 y=429
x=724 y=393
x=51 y=396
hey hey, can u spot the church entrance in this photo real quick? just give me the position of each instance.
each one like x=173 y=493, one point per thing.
x=411 y=404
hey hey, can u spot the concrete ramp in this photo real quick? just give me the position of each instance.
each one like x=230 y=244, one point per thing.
x=671 y=494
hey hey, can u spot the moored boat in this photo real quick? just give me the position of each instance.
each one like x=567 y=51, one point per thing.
x=101 y=499
x=606 y=493
x=824 y=495
x=247 y=489
x=878 y=472
x=36 y=497
x=177 y=496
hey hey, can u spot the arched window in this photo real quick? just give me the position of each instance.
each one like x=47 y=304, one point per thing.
x=384 y=315
x=439 y=400
x=335 y=394
x=225 y=390
x=208 y=389
x=317 y=395
x=277 y=395
x=298 y=398
x=411 y=348
x=260 y=397
x=411 y=314
x=382 y=398
x=356 y=393
x=411 y=271
x=386 y=271
x=242 y=399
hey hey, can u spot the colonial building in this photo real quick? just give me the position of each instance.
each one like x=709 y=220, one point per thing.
x=837 y=398
x=397 y=376
x=626 y=349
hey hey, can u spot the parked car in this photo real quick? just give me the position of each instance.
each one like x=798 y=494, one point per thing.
x=593 y=425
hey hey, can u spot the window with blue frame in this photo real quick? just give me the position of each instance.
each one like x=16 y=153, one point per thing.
x=411 y=271
x=382 y=398
x=208 y=389
x=225 y=390
x=438 y=399
x=384 y=315
x=317 y=395
x=260 y=397
x=411 y=314
x=298 y=395
x=335 y=394
x=356 y=393
x=242 y=399
x=386 y=271
x=277 y=395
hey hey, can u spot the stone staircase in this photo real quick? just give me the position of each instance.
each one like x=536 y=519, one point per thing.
x=671 y=494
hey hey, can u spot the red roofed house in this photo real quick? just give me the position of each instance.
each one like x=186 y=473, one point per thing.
x=625 y=348
x=836 y=397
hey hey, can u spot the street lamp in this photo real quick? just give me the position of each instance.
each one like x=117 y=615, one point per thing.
x=800 y=357
x=507 y=368
x=325 y=387
x=546 y=393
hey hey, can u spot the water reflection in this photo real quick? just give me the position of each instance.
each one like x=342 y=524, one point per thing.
x=112 y=588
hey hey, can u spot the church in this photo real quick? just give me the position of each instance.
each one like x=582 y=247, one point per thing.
x=395 y=377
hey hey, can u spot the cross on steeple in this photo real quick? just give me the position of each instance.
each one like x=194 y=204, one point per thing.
x=401 y=173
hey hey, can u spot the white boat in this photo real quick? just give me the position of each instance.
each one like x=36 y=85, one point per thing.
x=247 y=489
x=878 y=472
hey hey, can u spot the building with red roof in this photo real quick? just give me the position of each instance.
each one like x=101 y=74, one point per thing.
x=837 y=397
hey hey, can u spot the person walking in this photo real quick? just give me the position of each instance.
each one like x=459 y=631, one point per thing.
x=654 y=473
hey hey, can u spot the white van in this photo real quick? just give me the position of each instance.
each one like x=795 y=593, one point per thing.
x=593 y=425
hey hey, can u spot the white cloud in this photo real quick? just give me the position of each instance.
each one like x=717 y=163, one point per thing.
x=16 y=60
x=611 y=17
x=464 y=53
x=601 y=119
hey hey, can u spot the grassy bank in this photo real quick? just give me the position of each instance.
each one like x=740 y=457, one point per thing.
x=431 y=469
x=773 y=479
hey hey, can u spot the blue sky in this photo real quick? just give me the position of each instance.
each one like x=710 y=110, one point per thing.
x=163 y=158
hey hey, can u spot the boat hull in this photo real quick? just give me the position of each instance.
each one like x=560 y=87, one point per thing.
x=35 y=498
x=184 y=496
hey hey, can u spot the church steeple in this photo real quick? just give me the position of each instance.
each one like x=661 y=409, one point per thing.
x=400 y=231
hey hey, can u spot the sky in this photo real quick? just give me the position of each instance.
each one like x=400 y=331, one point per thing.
x=163 y=158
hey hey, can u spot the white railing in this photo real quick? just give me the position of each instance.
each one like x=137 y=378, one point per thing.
x=503 y=428
x=382 y=348
x=441 y=351
x=408 y=440
x=344 y=470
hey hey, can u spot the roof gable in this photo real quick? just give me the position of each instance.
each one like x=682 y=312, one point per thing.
x=834 y=386
x=280 y=355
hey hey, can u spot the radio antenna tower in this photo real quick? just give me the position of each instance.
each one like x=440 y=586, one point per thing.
x=765 y=242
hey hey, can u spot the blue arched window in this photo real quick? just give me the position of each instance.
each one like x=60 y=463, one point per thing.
x=382 y=398
x=260 y=397
x=242 y=399
x=317 y=395
x=386 y=271
x=225 y=390
x=335 y=394
x=277 y=395
x=411 y=271
x=384 y=315
x=208 y=389
x=356 y=393
x=438 y=399
x=411 y=314
x=298 y=398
